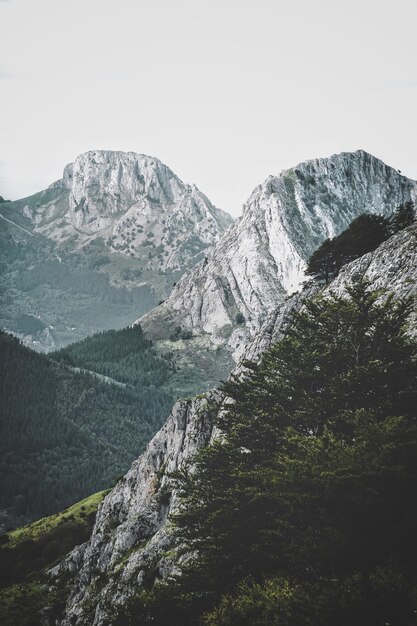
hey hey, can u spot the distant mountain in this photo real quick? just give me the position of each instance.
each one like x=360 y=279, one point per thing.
x=261 y=258
x=105 y=242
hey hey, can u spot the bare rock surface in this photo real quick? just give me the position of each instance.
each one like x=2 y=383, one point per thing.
x=261 y=258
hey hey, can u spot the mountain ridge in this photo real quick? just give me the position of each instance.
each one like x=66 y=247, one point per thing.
x=261 y=258
x=118 y=227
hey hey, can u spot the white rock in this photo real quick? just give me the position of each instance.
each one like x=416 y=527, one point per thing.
x=262 y=256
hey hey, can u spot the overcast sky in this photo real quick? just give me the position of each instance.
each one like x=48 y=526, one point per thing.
x=225 y=92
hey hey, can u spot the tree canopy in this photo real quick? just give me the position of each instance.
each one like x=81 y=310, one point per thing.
x=364 y=234
x=305 y=511
x=64 y=432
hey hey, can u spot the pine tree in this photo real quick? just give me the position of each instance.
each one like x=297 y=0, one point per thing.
x=403 y=217
x=314 y=480
x=364 y=234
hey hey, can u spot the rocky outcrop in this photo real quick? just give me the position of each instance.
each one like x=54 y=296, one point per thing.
x=119 y=228
x=132 y=542
x=262 y=257
x=138 y=205
x=131 y=536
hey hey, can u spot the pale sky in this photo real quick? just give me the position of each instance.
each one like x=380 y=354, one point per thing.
x=225 y=92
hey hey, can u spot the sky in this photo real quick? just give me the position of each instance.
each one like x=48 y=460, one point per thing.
x=225 y=92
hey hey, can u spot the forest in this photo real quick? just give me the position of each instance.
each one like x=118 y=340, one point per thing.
x=125 y=355
x=65 y=433
x=319 y=461
x=364 y=234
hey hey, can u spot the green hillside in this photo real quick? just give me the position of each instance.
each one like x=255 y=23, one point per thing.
x=27 y=552
x=53 y=295
x=65 y=433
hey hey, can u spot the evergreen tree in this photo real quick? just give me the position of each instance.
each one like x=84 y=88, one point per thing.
x=364 y=234
x=403 y=217
x=311 y=492
x=322 y=263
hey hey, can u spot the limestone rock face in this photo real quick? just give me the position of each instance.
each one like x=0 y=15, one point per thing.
x=131 y=533
x=261 y=258
x=131 y=539
x=119 y=228
x=124 y=193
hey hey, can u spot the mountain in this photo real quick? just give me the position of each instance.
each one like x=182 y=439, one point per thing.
x=73 y=420
x=245 y=281
x=261 y=258
x=132 y=543
x=105 y=242
x=134 y=202
x=67 y=431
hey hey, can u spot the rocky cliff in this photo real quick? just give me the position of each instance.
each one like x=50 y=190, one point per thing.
x=134 y=202
x=261 y=258
x=118 y=228
x=131 y=542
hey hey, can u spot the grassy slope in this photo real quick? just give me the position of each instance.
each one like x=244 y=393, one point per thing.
x=77 y=514
x=27 y=552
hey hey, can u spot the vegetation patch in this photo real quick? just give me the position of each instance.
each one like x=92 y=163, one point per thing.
x=305 y=512
x=26 y=553
x=79 y=513
x=363 y=235
x=65 y=433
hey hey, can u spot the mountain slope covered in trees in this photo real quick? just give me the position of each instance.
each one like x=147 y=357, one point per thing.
x=66 y=433
x=27 y=552
x=318 y=459
x=74 y=420
x=148 y=551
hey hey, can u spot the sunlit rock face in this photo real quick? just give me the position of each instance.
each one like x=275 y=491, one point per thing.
x=261 y=258
x=136 y=201
x=119 y=228
x=132 y=539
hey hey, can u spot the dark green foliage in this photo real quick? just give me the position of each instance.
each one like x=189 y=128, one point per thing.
x=21 y=605
x=322 y=264
x=125 y=355
x=65 y=434
x=31 y=556
x=278 y=602
x=180 y=333
x=402 y=218
x=363 y=235
x=27 y=552
x=306 y=511
x=240 y=318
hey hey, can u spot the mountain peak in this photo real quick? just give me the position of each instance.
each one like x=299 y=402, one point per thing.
x=127 y=216
x=104 y=184
x=261 y=258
